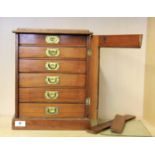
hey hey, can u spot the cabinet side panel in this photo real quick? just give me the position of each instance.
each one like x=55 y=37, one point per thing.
x=16 y=76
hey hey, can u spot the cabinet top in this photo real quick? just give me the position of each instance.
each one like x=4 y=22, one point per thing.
x=53 y=31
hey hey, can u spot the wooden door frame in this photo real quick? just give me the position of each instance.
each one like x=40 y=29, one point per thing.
x=98 y=41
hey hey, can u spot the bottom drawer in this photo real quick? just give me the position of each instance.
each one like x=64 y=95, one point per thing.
x=51 y=110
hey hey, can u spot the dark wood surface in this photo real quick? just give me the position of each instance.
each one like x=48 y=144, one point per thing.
x=38 y=80
x=105 y=125
x=126 y=41
x=40 y=52
x=39 y=39
x=32 y=66
x=64 y=110
x=38 y=95
x=100 y=127
x=118 y=124
x=53 y=124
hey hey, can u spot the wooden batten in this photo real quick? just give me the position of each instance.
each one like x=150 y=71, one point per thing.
x=126 y=41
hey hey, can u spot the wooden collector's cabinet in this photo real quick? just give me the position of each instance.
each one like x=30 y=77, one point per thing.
x=52 y=79
x=57 y=78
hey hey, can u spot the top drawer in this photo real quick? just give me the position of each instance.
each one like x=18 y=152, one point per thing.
x=42 y=39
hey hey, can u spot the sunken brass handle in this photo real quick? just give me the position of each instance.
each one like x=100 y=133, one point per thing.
x=51 y=110
x=52 y=79
x=51 y=95
x=52 y=39
x=52 y=52
x=52 y=65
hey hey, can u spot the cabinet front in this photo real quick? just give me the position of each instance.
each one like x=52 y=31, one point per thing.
x=52 y=75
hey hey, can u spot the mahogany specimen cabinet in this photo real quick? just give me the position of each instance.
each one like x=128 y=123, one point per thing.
x=57 y=77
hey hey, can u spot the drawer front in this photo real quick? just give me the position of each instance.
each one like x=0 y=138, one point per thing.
x=52 y=110
x=52 y=52
x=41 y=39
x=51 y=95
x=51 y=80
x=52 y=66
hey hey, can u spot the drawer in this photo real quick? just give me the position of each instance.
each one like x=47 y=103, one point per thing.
x=42 y=39
x=51 y=95
x=27 y=65
x=52 y=52
x=52 y=110
x=51 y=80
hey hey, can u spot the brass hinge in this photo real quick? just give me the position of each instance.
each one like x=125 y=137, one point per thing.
x=88 y=101
x=89 y=52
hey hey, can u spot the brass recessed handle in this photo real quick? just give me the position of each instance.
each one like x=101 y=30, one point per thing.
x=52 y=65
x=52 y=79
x=51 y=95
x=51 y=110
x=52 y=39
x=52 y=52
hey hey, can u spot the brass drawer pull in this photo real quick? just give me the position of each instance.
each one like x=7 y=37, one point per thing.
x=51 y=95
x=52 y=52
x=52 y=65
x=51 y=110
x=52 y=39
x=52 y=79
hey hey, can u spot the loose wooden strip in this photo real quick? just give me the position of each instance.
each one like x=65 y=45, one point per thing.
x=126 y=41
x=118 y=124
x=100 y=127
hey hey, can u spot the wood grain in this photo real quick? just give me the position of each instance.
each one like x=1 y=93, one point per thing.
x=31 y=66
x=38 y=95
x=38 y=80
x=39 y=39
x=32 y=69
x=105 y=125
x=93 y=80
x=40 y=52
x=126 y=41
x=118 y=124
x=64 y=110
